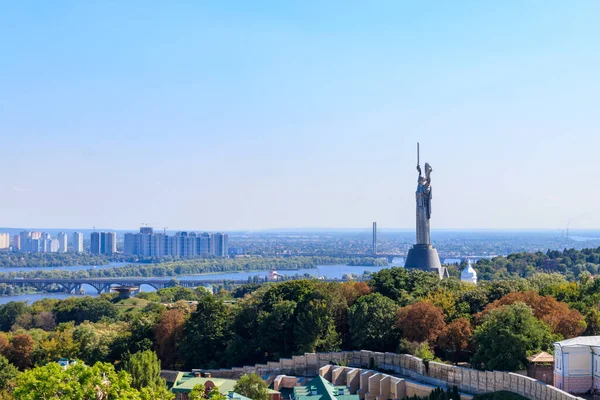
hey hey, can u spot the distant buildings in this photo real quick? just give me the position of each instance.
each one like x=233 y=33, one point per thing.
x=63 y=242
x=182 y=244
x=35 y=242
x=4 y=241
x=16 y=243
x=78 y=242
x=103 y=243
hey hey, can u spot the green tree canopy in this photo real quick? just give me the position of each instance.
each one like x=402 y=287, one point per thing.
x=252 y=386
x=205 y=334
x=371 y=320
x=8 y=374
x=81 y=382
x=9 y=313
x=144 y=368
x=84 y=309
x=507 y=336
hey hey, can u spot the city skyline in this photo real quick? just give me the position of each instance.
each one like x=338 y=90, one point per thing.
x=299 y=115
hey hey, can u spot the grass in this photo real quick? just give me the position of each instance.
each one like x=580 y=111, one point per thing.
x=131 y=303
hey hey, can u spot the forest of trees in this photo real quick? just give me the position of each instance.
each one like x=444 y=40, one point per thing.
x=31 y=260
x=569 y=262
x=493 y=325
x=397 y=310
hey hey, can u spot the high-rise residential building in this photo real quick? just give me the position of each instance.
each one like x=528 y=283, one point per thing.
x=16 y=245
x=108 y=242
x=35 y=242
x=205 y=240
x=182 y=244
x=78 y=242
x=25 y=240
x=103 y=243
x=95 y=243
x=63 y=242
x=221 y=244
x=147 y=230
x=4 y=241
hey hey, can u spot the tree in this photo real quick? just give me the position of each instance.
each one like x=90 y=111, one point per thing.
x=81 y=382
x=167 y=333
x=205 y=334
x=507 y=336
x=315 y=329
x=9 y=313
x=445 y=300
x=56 y=345
x=4 y=344
x=20 y=351
x=421 y=322
x=198 y=392
x=144 y=368
x=455 y=337
x=404 y=285
x=216 y=395
x=8 y=374
x=85 y=309
x=557 y=315
x=44 y=320
x=252 y=386
x=371 y=321
x=592 y=319
x=353 y=290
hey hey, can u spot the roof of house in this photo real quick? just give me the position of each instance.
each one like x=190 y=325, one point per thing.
x=580 y=341
x=542 y=357
x=320 y=389
x=188 y=381
x=237 y=396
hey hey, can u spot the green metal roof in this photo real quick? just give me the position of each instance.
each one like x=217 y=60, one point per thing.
x=320 y=389
x=237 y=396
x=187 y=383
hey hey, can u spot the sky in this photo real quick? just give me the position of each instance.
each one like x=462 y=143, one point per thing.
x=268 y=114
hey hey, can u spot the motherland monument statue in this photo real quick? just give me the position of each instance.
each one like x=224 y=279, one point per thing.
x=423 y=255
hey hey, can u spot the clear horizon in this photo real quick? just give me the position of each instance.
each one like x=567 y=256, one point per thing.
x=303 y=114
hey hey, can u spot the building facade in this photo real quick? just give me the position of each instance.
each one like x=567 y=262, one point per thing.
x=4 y=241
x=577 y=364
x=63 y=242
x=77 y=242
x=183 y=244
x=103 y=243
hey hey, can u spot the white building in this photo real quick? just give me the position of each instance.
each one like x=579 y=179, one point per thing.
x=468 y=274
x=63 y=242
x=577 y=364
x=4 y=240
x=78 y=242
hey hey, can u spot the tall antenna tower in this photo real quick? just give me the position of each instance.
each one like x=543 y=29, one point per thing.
x=374 y=238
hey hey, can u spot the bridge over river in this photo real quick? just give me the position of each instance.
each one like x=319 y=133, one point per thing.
x=103 y=285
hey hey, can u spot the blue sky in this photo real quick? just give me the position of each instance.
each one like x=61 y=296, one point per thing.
x=269 y=114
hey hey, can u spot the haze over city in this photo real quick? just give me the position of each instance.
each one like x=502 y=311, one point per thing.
x=277 y=115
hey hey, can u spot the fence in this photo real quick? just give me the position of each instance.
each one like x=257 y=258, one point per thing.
x=413 y=368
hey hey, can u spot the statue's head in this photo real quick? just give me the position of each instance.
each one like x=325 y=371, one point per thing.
x=428 y=168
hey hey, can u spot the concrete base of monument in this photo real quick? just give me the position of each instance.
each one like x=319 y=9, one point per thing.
x=426 y=258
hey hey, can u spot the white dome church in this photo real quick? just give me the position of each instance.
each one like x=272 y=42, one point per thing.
x=468 y=274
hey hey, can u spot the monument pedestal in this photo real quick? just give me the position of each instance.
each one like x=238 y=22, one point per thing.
x=426 y=258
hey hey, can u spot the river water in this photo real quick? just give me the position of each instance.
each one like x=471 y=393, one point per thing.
x=325 y=271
